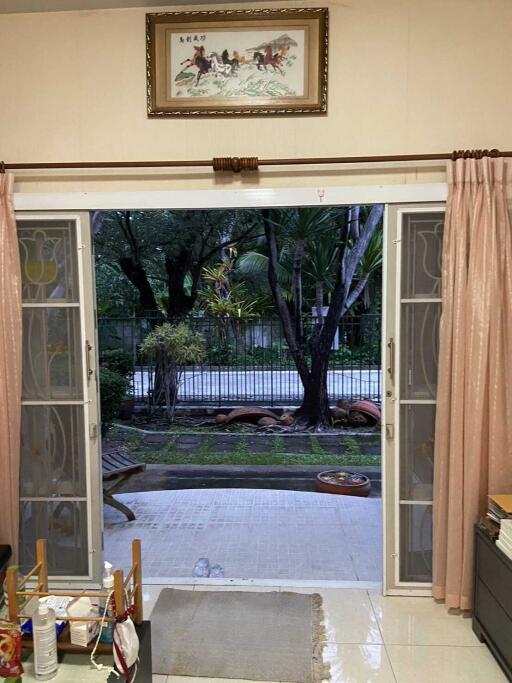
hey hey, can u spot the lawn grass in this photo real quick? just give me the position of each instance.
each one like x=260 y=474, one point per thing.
x=171 y=457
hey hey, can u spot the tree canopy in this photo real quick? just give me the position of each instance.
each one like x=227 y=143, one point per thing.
x=158 y=257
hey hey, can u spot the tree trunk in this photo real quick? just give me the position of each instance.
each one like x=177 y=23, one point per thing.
x=319 y=303
x=298 y=258
x=179 y=303
x=314 y=412
x=137 y=275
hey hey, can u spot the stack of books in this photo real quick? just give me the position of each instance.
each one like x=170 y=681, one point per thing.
x=500 y=507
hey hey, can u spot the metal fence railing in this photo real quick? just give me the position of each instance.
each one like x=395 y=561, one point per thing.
x=248 y=360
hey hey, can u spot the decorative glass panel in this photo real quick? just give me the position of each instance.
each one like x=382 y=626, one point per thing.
x=48 y=254
x=419 y=345
x=416 y=543
x=422 y=236
x=64 y=525
x=51 y=354
x=416 y=451
x=52 y=452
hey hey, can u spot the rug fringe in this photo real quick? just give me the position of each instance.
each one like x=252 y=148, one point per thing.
x=320 y=670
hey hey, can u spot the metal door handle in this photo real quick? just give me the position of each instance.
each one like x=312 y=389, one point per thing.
x=391 y=366
x=88 y=349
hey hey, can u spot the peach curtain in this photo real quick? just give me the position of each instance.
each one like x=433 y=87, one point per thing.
x=473 y=443
x=10 y=367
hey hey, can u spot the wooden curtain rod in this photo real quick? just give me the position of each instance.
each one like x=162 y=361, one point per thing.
x=239 y=164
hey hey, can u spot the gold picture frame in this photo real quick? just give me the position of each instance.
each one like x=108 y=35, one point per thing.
x=237 y=62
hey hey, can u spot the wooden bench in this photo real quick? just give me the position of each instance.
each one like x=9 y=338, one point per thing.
x=118 y=466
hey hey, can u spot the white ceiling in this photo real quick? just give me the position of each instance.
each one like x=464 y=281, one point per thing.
x=7 y=6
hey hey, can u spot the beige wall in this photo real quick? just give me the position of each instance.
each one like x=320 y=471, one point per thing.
x=404 y=76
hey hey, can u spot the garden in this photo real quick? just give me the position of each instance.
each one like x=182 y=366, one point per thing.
x=274 y=313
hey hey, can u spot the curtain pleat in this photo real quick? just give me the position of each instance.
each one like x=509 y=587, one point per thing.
x=473 y=442
x=10 y=367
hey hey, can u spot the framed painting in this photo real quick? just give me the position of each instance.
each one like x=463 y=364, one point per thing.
x=237 y=62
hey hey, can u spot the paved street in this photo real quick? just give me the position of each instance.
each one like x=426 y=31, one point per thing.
x=238 y=384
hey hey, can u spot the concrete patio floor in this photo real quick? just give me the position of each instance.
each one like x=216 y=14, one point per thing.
x=253 y=534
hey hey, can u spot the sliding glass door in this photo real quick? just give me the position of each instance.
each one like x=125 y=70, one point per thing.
x=60 y=473
x=411 y=327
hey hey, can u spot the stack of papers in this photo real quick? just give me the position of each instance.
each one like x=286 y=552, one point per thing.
x=504 y=541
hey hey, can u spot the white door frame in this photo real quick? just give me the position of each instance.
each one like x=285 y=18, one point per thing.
x=391 y=394
x=88 y=402
x=226 y=199
x=246 y=198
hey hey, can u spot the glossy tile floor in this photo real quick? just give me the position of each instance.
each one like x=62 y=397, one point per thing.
x=262 y=534
x=369 y=639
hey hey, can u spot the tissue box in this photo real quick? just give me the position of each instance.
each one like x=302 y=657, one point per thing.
x=82 y=632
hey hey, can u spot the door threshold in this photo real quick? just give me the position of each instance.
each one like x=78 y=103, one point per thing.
x=277 y=583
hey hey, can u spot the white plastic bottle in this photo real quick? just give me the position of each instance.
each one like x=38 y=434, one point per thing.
x=107 y=632
x=45 y=642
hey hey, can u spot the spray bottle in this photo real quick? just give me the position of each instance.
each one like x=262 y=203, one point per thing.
x=45 y=642
x=107 y=631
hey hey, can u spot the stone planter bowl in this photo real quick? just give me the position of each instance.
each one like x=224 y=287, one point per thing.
x=343 y=483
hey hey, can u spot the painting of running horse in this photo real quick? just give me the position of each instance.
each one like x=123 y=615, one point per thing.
x=237 y=62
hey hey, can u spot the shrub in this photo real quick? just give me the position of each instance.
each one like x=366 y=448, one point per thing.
x=173 y=347
x=113 y=388
x=118 y=360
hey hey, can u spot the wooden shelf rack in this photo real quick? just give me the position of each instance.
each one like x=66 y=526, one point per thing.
x=127 y=594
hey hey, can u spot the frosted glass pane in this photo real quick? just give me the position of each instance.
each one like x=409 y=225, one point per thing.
x=422 y=237
x=48 y=254
x=419 y=348
x=52 y=354
x=64 y=525
x=52 y=451
x=417 y=424
x=416 y=543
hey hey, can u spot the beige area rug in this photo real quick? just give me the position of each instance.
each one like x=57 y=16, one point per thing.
x=237 y=634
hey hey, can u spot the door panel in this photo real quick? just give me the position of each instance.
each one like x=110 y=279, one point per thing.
x=412 y=310
x=60 y=486
x=52 y=353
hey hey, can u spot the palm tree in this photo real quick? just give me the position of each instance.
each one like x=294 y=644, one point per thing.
x=339 y=254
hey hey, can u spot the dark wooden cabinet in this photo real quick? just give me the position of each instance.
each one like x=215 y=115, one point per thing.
x=492 y=616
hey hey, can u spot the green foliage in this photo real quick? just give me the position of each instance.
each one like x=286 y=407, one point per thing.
x=226 y=354
x=173 y=347
x=113 y=388
x=178 y=344
x=136 y=251
x=222 y=297
x=352 y=450
x=241 y=452
x=115 y=295
x=117 y=360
